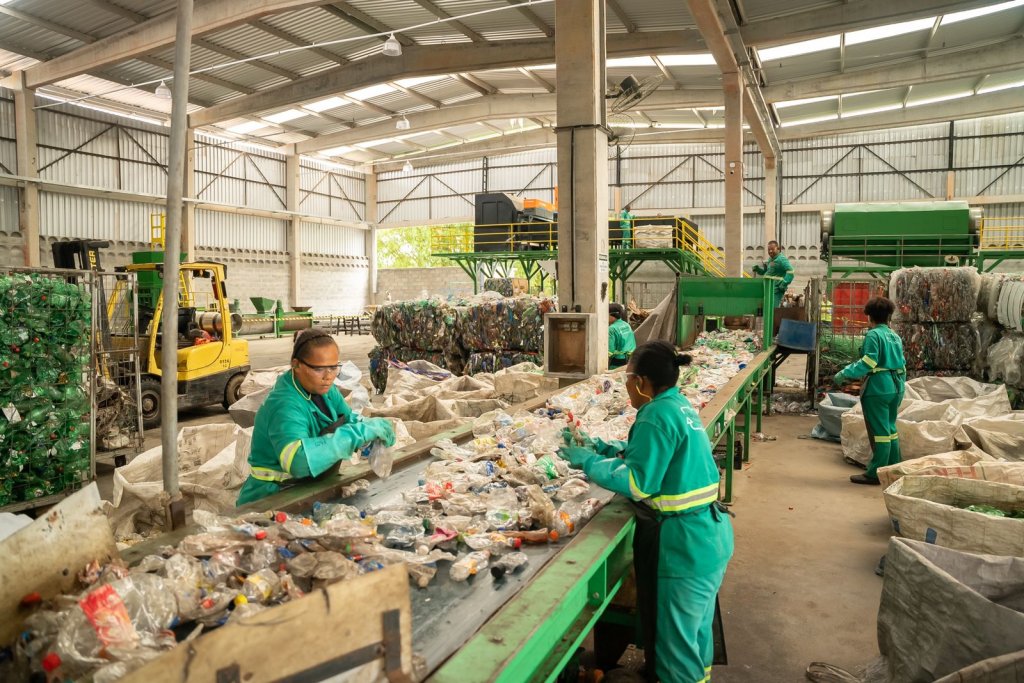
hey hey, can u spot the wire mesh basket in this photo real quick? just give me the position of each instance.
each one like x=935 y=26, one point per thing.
x=46 y=352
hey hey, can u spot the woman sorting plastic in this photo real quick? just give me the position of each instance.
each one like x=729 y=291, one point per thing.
x=304 y=427
x=883 y=367
x=683 y=538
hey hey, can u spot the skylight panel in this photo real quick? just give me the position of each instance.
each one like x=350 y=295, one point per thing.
x=804 y=47
x=888 y=31
x=372 y=91
x=696 y=59
x=324 y=105
x=980 y=12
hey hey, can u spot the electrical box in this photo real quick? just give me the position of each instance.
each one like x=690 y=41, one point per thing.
x=570 y=343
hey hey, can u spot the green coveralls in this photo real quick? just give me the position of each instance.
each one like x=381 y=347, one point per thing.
x=286 y=439
x=621 y=343
x=626 y=228
x=683 y=540
x=884 y=366
x=778 y=266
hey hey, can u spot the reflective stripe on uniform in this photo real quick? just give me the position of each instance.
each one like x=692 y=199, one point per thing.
x=883 y=439
x=871 y=363
x=267 y=474
x=894 y=437
x=684 y=501
x=288 y=455
x=635 y=490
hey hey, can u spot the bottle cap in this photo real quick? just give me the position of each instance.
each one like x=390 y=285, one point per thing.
x=281 y=517
x=517 y=543
x=51 y=662
x=260 y=535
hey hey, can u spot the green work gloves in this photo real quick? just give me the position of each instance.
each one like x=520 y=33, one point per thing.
x=379 y=428
x=581 y=438
x=760 y=270
x=577 y=456
x=839 y=379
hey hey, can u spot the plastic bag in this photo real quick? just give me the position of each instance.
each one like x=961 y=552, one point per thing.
x=381 y=459
x=1006 y=360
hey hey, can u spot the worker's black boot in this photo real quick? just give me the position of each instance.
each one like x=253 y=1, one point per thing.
x=864 y=479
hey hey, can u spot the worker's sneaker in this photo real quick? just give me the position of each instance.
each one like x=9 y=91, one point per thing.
x=864 y=479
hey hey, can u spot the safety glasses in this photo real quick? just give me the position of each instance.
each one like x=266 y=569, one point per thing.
x=324 y=370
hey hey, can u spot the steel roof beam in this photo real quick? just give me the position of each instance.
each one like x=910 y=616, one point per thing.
x=492 y=107
x=1005 y=56
x=155 y=34
x=432 y=60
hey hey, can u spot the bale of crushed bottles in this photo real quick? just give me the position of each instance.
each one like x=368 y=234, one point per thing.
x=939 y=346
x=491 y=323
x=493 y=361
x=424 y=324
x=935 y=295
x=45 y=353
x=507 y=286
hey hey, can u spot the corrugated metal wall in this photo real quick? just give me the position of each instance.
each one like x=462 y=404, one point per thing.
x=217 y=229
x=231 y=176
x=328 y=191
x=65 y=215
x=332 y=240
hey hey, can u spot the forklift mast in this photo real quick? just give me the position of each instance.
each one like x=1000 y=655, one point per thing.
x=78 y=254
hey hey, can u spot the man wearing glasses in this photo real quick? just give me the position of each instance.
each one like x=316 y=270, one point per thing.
x=304 y=428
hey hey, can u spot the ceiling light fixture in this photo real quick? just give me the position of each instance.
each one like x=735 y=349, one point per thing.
x=407 y=168
x=403 y=124
x=162 y=91
x=392 y=48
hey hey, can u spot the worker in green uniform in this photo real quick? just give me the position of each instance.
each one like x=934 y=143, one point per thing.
x=683 y=538
x=626 y=227
x=621 y=341
x=883 y=366
x=778 y=266
x=304 y=427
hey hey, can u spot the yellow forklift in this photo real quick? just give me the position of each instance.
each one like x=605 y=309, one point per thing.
x=212 y=360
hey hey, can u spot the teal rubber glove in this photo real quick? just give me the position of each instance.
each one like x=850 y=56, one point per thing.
x=577 y=456
x=379 y=428
x=839 y=379
x=582 y=437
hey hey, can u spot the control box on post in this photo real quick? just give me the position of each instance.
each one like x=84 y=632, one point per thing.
x=570 y=342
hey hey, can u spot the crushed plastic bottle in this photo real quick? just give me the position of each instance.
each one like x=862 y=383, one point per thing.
x=470 y=565
x=261 y=586
x=381 y=459
x=509 y=564
x=574 y=514
x=495 y=543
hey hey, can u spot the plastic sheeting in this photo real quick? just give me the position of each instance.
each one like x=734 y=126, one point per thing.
x=1006 y=360
x=936 y=295
x=940 y=346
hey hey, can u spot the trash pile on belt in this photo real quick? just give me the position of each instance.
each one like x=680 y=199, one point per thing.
x=44 y=354
x=483 y=333
x=999 y=325
x=478 y=503
x=934 y=307
x=717 y=358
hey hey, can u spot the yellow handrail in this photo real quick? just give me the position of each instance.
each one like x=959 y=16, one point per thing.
x=1001 y=233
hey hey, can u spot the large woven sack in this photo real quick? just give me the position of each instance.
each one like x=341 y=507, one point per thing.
x=1002 y=669
x=952 y=464
x=929 y=509
x=1000 y=436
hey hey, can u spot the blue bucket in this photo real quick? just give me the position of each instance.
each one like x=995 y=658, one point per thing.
x=797 y=336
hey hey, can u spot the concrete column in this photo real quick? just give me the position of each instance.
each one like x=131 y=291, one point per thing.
x=582 y=164
x=371 y=234
x=292 y=181
x=188 y=212
x=28 y=166
x=771 y=203
x=732 y=84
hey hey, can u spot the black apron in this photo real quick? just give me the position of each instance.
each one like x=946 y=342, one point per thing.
x=646 y=556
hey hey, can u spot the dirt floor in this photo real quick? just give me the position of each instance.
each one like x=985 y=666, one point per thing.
x=801 y=586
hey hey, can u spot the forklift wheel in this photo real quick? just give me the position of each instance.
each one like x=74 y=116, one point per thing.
x=150 y=402
x=232 y=391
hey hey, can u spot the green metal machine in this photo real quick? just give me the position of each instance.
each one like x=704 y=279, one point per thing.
x=883 y=237
x=270 y=318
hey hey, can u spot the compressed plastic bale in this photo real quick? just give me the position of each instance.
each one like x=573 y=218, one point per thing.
x=500 y=360
x=938 y=346
x=490 y=323
x=45 y=327
x=1005 y=359
x=424 y=324
x=937 y=295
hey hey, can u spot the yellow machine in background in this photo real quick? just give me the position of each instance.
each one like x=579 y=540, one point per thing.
x=212 y=361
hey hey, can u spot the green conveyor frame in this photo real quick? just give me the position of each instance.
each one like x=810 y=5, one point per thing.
x=533 y=635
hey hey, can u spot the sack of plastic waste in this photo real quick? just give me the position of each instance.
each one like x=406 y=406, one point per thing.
x=935 y=295
x=1006 y=360
x=946 y=616
x=830 y=416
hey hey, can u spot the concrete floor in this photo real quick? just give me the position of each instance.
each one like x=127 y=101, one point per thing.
x=801 y=586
